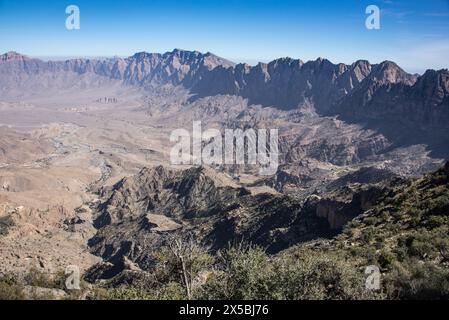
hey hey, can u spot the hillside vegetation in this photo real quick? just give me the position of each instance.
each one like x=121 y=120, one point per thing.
x=405 y=234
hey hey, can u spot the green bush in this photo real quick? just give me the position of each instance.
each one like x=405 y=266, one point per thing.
x=417 y=281
x=245 y=272
x=248 y=273
x=127 y=293
x=386 y=259
x=317 y=275
x=172 y=291
x=37 y=278
x=440 y=205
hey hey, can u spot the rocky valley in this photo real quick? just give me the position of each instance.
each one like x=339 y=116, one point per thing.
x=86 y=177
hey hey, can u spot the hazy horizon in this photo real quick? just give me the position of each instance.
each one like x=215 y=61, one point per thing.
x=251 y=62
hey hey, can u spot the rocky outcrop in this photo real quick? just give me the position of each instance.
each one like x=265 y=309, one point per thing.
x=192 y=193
x=333 y=213
x=6 y=222
x=363 y=176
x=282 y=180
x=144 y=214
x=344 y=204
x=139 y=213
x=424 y=102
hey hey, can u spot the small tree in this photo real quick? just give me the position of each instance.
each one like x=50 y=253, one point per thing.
x=190 y=260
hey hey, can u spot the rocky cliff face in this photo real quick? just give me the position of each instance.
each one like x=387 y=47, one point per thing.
x=397 y=96
x=342 y=205
x=177 y=67
x=286 y=83
x=140 y=212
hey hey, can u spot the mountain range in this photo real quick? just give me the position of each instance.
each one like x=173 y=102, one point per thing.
x=360 y=91
x=85 y=177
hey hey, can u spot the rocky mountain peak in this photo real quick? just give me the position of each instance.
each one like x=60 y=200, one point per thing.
x=13 y=56
x=208 y=59
x=286 y=62
x=143 y=55
x=389 y=72
x=361 y=69
x=433 y=88
x=437 y=79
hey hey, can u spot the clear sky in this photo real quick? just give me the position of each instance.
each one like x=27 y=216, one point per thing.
x=414 y=33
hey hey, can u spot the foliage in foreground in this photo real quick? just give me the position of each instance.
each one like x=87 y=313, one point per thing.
x=247 y=272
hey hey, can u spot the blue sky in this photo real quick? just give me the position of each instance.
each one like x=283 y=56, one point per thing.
x=414 y=33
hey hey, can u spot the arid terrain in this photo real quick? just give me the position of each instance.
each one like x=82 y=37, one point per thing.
x=85 y=173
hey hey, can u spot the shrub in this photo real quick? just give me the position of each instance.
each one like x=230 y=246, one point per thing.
x=245 y=273
x=127 y=293
x=386 y=259
x=318 y=275
x=417 y=281
x=172 y=291
x=248 y=273
x=37 y=278
x=440 y=205
x=10 y=289
x=6 y=222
